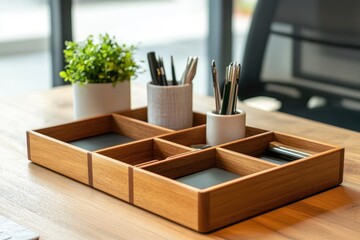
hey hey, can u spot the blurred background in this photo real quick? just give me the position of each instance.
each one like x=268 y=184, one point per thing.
x=169 y=27
x=298 y=57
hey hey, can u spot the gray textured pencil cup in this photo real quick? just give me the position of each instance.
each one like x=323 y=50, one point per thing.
x=170 y=106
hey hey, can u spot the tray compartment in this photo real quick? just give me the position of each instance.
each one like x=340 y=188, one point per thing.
x=112 y=168
x=260 y=187
x=51 y=147
x=273 y=188
x=157 y=187
x=258 y=146
x=197 y=135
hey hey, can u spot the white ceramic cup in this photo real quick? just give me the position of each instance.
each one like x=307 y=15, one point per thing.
x=224 y=128
x=170 y=106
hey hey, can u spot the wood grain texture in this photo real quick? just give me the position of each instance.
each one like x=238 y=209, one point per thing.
x=79 y=129
x=143 y=151
x=239 y=163
x=90 y=169
x=111 y=176
x=146 y=163
x=302 y=143
x=188 y=137
x=57 y=207
x=197 y=135
x=199 y=119
x=164 y=197
x=252 y=147
x=58 y=156
x=130 y=153
x=184 y=164
x=138 y=113
x=135 y=128
x=275 y=187
x=256 y=145
x=252 y=131
x=163 y=149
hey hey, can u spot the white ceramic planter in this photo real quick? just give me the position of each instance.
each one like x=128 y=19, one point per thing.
x=100 y=98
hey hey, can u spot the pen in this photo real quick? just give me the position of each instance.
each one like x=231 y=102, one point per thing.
x=158 y=75
x=238 y=69
x=174 y=82
x=226 y=92
x=216 y=87
x=232 y=79
x=153 y=65
x=277 y=147
x=183 y=77
x=285 y=152
x=192 y=70
x=162 y=72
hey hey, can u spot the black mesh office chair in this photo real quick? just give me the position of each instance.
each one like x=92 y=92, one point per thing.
x=300 y=49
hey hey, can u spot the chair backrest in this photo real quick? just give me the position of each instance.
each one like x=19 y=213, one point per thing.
x=303 y=48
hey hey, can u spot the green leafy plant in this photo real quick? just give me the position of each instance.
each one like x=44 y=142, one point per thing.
x=105 y=61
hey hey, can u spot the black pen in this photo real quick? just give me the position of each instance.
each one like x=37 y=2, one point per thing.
x=277 y=147
x=174 y=82
x=226 y=93
x=153 y=65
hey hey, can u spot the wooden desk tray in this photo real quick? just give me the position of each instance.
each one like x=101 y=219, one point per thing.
x=156 y=169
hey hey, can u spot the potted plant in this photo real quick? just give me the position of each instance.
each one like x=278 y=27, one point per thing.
x=100 y=73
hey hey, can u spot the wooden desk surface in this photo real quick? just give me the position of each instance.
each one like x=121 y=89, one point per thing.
x=57 y=207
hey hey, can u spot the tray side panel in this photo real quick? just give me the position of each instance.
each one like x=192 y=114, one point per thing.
x=139 y=114
x=135 y=128
x=57 y=156
x=277 y=187
x=79 y=129
x=166 y=198
x=111 y=176
x=301 y=143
